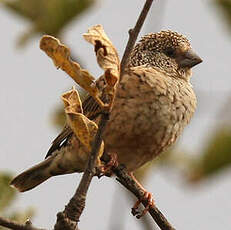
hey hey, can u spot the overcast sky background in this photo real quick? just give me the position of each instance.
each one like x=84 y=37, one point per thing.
x=30 y=90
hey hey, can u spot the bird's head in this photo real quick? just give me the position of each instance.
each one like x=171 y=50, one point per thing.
x=168 y=51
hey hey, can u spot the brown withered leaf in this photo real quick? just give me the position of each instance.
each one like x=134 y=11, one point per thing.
x=60 y=54
x=72 y=101
x=82 y=127
x=107 y=56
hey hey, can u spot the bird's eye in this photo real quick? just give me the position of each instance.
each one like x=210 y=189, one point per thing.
x=170 y=52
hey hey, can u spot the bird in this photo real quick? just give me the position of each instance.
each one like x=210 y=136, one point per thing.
x=154 y=102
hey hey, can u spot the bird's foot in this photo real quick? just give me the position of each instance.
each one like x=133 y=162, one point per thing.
x=150 y=203
x=106 y=169
x=146 y=197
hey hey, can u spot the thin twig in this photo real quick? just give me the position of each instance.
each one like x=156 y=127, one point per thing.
x=133 y=34
x=127 y=181
x=16 y=226
x=75 y=207
x=77 y=203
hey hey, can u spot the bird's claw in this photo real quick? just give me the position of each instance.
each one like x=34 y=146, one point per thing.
x=106 y=169
x=150 y=203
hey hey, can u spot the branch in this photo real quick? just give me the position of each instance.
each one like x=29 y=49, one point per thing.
x=71 y=215
x=75 y=207
x=122 y=176
x=127 y=181
x=16 y=226
x=133 y=34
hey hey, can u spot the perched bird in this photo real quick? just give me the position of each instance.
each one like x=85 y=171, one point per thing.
x=154 y=102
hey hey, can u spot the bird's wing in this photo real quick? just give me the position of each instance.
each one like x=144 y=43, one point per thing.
x=60 y=140
x=91 y=109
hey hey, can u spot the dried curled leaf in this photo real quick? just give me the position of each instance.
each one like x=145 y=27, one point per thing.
x=107 y=56
x=83 y=128
x=60 y=54
x=72 y=101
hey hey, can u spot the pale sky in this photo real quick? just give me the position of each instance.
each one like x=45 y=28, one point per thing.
x=31 y=86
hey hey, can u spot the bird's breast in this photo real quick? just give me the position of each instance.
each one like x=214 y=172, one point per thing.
x=149 y=113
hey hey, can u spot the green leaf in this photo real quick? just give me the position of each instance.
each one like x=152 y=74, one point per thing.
x=7 y=194
x=47 y=17
x=225 y=7
x=216 y=156
x=22 y=216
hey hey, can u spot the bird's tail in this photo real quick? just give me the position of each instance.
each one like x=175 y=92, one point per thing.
x=33 y=176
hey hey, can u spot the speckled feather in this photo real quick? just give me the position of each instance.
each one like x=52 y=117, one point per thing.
x=147 y=120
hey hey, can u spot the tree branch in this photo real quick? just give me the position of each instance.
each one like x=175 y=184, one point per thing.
x=133 y=34
x=76 y=205
x=127 y=181
x=122 y=176
x=16 y=226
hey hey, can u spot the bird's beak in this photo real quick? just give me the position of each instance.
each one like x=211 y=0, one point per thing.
x=189 y=59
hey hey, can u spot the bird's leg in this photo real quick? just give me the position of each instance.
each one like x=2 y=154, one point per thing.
x=147 y=196
x=106 y=169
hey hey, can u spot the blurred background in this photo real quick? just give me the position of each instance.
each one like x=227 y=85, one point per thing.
x=191 y=182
